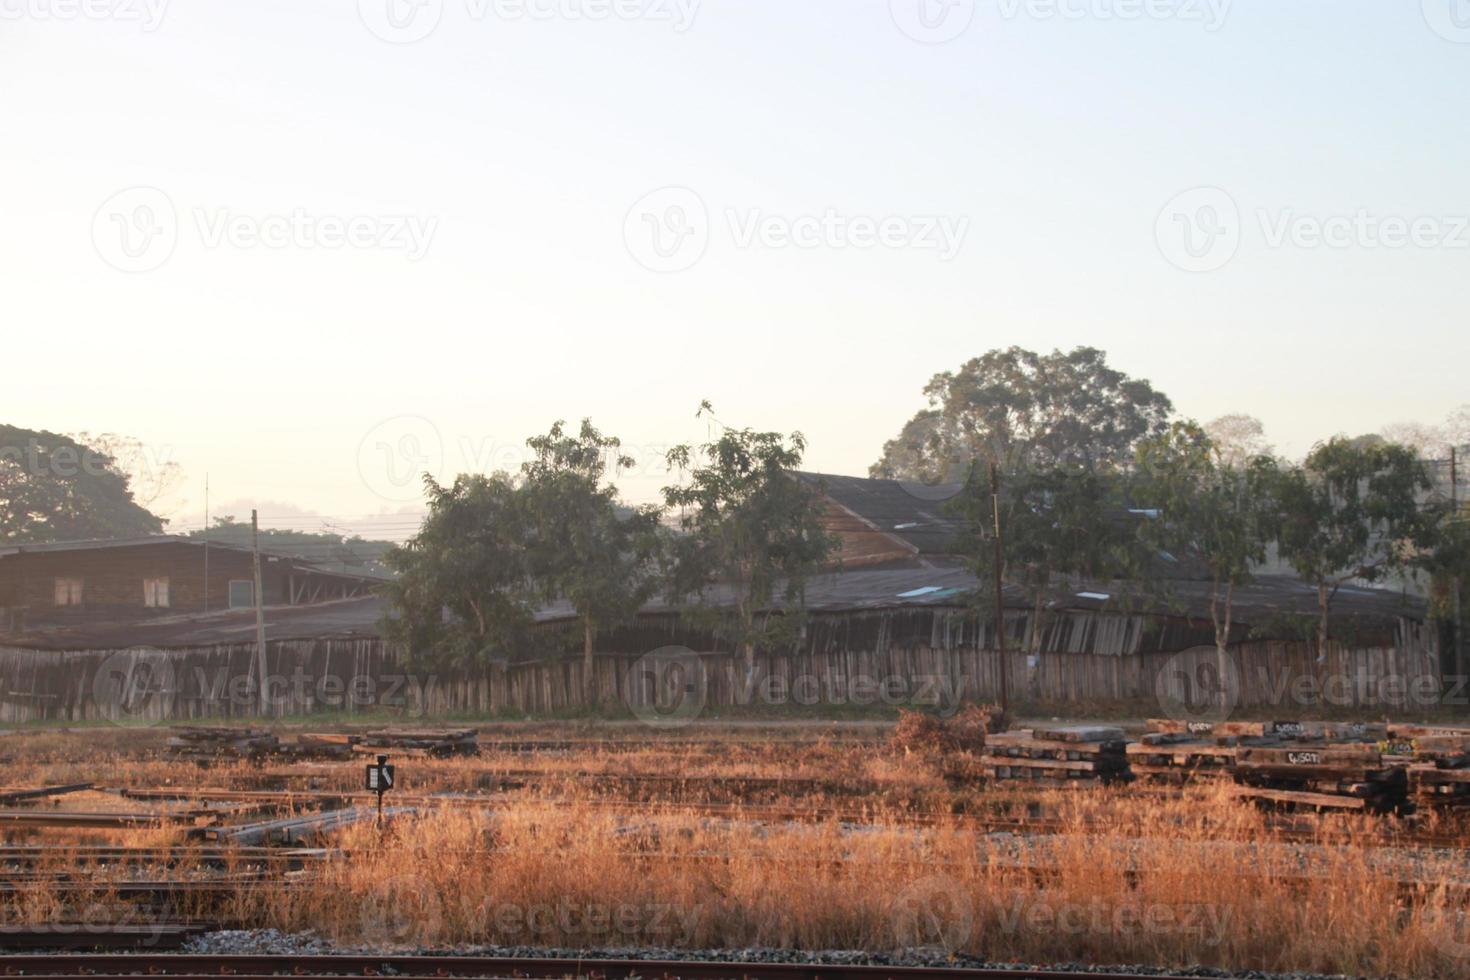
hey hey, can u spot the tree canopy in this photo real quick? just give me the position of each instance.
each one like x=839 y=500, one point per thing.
x=1210 y=502
x=1023 y=409
x=585 y=547
x=1060 y=523
x=464 y=589
x=54 y=488
x=1351 y=511
x=748 y=522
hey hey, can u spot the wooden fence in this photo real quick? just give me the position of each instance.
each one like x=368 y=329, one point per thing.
x=910 y=658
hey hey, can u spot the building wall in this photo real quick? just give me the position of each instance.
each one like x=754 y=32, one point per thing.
x=112 y=579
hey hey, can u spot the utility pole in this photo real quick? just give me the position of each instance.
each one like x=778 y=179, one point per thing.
x=259 y=615
x=206 y=542
x=1455 y=583
x=1000 y=609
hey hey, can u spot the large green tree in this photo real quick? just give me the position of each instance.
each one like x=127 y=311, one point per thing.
x=586 y=547
x=1351 y=511
x=1020 y=409
x=1211 y=503
x=464 y=589
x=54 y=488
x=749 y=524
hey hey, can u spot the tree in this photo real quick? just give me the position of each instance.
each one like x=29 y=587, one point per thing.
x=53 y=488
x=153 y=479
x=355 y=553
x=1457 y=427
x=1060 y=523
x=751 y=524
x=1351 y=511
x=1448 y=565
x=1427 y=441
x=1211 y=504
x=585 y=547
x=464 y=588
x=1237 y=439
x=1021 y=409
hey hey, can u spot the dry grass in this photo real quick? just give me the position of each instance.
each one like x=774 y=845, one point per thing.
x=1145 y=879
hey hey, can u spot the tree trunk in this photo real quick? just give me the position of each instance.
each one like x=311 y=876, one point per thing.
x=1033 y=650
x=1222 y=632
x=1322 y=624
x=479 y=617
x=747 y=627
x=589 y=680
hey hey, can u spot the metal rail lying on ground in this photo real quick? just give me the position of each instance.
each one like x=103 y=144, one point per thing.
x=244 y=967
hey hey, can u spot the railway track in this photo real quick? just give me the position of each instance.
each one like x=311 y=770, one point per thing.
x=239 y=967
x=1001 y=817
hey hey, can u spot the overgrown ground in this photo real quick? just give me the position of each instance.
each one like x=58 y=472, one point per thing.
x=779 y=836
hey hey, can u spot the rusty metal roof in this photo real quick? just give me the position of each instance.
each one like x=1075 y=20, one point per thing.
x=913 y=585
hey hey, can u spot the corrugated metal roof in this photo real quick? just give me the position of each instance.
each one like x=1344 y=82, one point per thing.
x=912 y=512
x=949 y=585
x=310 y=566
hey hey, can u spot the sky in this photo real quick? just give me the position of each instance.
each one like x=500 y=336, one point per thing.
x=312 y=248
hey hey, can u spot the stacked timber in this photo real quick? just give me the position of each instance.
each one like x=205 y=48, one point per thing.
x=1178 y=751
x=1334 y=731
x=1437 y=758
x=1312 y=772
x=315 y=746
x=215 y=743
x=1068 y=754
x=457 y=741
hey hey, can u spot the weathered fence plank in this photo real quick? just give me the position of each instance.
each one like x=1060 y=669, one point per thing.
x=1092 y=658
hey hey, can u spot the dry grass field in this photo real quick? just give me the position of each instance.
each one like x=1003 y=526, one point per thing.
x=775 y=838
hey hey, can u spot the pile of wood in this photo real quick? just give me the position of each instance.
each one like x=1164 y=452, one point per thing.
x=255 y=743
x=1334 y=775
x=1437 y=759
x=215 y=743
x=1250 y=752
x=318 y=747
x=1068 y=754
x=443 y=742
x=1317 y=764
x=1177 y=751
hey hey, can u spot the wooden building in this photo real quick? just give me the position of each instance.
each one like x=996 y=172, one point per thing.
x=129 y=578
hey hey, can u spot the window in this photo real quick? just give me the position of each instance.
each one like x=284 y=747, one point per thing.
x=242 y=593
x=68 y=592
x=155 y=593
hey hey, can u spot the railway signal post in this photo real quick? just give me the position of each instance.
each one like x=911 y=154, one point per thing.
x=380 y=780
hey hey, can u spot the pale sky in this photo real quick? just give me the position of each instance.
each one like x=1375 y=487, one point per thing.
x=1259 y=205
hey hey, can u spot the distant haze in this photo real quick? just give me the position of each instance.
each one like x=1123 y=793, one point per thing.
x=287 y=248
